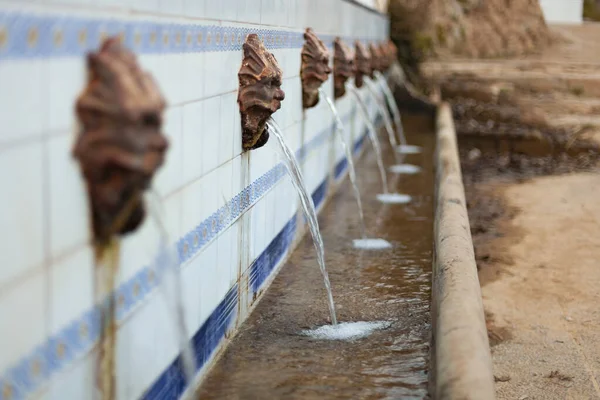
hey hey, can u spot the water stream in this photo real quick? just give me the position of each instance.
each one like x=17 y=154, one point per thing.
x=363 y=242
x=386 y=118
x=348 y=152
x=291 y=164
x=373 y=137
x=167 y=274
x=283 y=350
x=404 y=147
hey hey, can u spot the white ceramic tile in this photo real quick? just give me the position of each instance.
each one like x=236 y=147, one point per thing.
x=249 y=11
x=199 y=201
x=268 y=14
x=225 y=258
x=258 y=223
x=71 y=288
x=213 y=70
x=193 y=75
x=141 y=248
x=21 y=214
x=76 y=382
x=237 y=129
x=174 y=7
x=23 y=107
x=236 y=175
x=192 y=275
x=230 y=65
x=210 y=130
x=214 y=10
x=138 y=338
x=208 y=287
x=193 y=131
x=27 y=300
x=170 y=175
x=66 y=80
x=230 y=10
x=70 y=224
x=195 y=8
x=169 y=77
x=227 y=130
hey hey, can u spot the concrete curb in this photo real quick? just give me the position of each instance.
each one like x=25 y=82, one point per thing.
x=461 y=360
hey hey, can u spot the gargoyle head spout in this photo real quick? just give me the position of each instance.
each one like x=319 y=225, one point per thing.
x=343 y=67
x=120 y=145
x=385 y=57
x=315 y=68
x=260 y=93
x=362 y=59
x=392 y=53
x=377 y=59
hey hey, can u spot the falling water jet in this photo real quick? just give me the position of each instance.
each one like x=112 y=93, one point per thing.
x=168 y=279
x=386 y=118
x=386 y=196
x=363 y=242
x=373 y=137
x=404 y=147
x=293 y=169
x=349 y=158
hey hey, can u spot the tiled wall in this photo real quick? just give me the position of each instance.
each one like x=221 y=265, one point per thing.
x=231 y=217
x=563 y=11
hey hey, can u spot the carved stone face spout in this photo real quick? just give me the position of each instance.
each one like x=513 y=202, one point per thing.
x=343 y=67
x=362 y=60
x=315 y=68
x=392 y=53
x=260 y=93
x=377 y=62
x=385 y=57
x=120 y=145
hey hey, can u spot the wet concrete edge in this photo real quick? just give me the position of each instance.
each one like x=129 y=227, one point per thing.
x=461 y=360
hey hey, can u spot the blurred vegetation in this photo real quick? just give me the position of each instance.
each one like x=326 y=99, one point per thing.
x=591 y=10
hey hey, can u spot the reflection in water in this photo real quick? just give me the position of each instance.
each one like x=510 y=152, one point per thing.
x=293 y=169
x=270 y=360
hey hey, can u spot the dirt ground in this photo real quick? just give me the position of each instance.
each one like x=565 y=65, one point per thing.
x=529 y=132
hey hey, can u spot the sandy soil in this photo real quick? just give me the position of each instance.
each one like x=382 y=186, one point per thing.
x=536 y=236
x=546 y=303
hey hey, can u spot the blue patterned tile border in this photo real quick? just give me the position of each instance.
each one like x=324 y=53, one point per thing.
x=77 y=338
x=171 y=383
x=31 y=35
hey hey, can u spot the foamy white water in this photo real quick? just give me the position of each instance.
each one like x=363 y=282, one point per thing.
x=408 y=149
x=346 y=330
x=394 y=198
x=371 y=244
x=405 y=169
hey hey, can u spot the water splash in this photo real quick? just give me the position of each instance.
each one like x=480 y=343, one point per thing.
x=349 y=158
x=291 y=164
x=373 y=137
x=386 y=117
x=394 y=198
x=408 y=149
x=167 y=275
x=371 y=244
x=346 y=330
x=405 y=169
